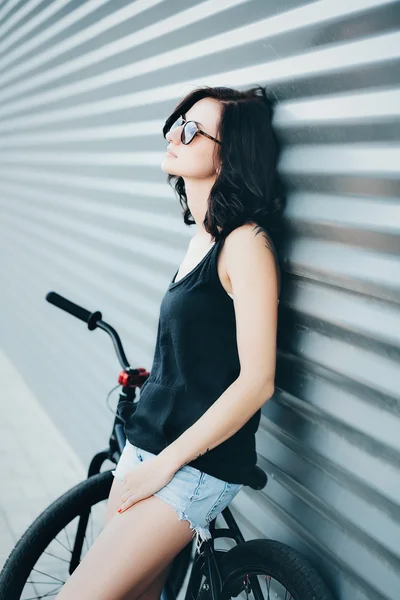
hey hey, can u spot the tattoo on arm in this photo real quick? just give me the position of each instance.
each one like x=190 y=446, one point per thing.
x=198 y=456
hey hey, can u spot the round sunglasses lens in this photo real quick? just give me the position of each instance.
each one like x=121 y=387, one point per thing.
x=188 y=132
x=178 y=123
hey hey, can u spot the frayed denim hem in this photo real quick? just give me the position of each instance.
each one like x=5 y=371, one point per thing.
x=201 y=534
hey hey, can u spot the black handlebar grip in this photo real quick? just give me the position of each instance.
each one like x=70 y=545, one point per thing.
x=68 y=306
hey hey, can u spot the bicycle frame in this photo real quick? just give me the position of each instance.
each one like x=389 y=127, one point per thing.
x=207 y=557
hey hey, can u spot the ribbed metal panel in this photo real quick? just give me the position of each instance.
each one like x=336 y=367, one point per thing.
x=86 y=211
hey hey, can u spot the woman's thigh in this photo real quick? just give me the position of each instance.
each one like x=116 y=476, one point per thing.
x=153 y=592
x=130 y=553
x=114 y=500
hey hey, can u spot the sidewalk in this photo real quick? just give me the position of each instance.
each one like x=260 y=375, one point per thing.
x=32 y=449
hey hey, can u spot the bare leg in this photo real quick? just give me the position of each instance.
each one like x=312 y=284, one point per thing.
x=114 y=499
x=129 y=554
x=154 y=590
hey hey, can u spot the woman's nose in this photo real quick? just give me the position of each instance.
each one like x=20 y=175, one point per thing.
x=174 y=135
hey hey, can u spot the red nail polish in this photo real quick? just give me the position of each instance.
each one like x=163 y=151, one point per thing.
x=119 y=510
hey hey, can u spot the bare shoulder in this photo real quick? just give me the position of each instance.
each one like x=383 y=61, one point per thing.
x=252 y=239
x=245 y=234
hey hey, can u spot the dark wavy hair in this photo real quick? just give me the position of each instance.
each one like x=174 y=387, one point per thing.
x=248 y=188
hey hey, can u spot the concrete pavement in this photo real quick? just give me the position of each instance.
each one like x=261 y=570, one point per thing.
x=37 y=464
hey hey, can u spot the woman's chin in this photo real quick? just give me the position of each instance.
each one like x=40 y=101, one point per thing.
x=167 y=168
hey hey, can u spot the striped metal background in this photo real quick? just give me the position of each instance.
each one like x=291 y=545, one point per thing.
x=85 y=88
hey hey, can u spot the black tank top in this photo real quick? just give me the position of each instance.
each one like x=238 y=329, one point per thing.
x=195 y=360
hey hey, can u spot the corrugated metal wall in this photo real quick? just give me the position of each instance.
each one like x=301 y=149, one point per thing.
x=86 y=211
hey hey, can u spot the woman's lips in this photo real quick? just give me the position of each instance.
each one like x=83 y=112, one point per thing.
x=171 y=154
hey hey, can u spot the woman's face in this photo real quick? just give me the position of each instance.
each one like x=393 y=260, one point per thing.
x=194 y=160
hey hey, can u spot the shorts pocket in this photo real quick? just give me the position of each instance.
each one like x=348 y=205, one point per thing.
x=128 y=460
x=226 y=496
x=200 y=478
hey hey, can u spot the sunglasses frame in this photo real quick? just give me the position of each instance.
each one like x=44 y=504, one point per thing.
x=198 y=131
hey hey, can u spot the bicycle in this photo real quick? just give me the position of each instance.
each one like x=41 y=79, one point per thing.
x=249 y=567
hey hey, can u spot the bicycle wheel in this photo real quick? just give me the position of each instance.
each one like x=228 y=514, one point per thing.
x=264 y=569
x=55 y=543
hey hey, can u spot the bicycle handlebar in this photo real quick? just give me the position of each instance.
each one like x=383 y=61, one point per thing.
x=73 y=309
x=93 y=321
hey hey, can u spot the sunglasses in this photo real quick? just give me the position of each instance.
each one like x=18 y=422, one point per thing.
x=190 y=130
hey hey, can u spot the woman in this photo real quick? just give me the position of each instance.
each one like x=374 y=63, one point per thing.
x=191 y=441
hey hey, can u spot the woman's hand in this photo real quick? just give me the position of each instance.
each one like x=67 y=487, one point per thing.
x=144 y=480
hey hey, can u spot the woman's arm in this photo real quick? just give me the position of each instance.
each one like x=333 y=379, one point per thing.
x=251 y=268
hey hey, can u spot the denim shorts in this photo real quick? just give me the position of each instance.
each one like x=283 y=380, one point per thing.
x=196 y=496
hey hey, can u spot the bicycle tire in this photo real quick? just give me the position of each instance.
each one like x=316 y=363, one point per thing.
x=276 y=560
x=34 y=542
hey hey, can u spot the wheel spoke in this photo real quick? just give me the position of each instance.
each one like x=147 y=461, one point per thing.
x=85 y=539
x=52 y=593
x=251 y=584
x=42 y=582
x=66 y=535
x=47 y=575
x=65 y=547
x=55 y=556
